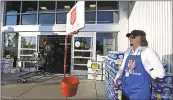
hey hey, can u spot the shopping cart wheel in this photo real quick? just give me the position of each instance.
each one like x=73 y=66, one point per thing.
x=18 y=79
x=24 y=80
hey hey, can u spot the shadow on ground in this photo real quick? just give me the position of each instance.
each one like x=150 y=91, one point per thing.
x=12 y=78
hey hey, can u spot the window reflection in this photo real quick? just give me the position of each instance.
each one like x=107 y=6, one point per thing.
x=11 y=39
x=65 y=5
x=46 y=18
x=107 y=5
x=102 y=48
x=61 y=18
x=29 y=19
x=29 y=6
x=28 y=42
x=85 y=43
x=46 y=6
x=90 y=5
x=107 y=17
x=90 y=17
x=12 y=20
x=13 y=7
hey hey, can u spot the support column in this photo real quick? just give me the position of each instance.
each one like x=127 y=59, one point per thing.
x=1 y=25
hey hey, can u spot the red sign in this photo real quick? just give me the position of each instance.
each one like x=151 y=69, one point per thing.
x=73 y=16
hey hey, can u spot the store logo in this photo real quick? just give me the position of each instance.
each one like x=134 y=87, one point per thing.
x=73 y=17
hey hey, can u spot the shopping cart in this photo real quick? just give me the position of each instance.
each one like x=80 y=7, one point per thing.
x=36 y=62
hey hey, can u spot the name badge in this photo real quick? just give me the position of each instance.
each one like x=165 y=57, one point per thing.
x=127 y=74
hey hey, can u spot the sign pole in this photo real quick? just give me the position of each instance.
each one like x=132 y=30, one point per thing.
x=75 y=22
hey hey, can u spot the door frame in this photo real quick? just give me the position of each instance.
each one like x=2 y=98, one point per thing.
x=93 y=40
x=25 y=34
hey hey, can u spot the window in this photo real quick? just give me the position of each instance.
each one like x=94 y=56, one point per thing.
x=47 y=12
x=47 y=6
x=10 y=45
x=107 y=12
x=85 y=43
x=12 y=16
x=90 y=17
x=29 y=6
x=107 y=5
x=13 y=7
x=12 y=20
x=90 y=5
x=27 y=52
x=46 y=18
x=107 y=17
x=90 y=12
x=29 y=19
x=28 y=42
x=11 y=39
x=105 y=42
x=64 y=5
x=61 y=18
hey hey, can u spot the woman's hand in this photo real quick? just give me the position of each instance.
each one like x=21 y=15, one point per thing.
x=116 y=81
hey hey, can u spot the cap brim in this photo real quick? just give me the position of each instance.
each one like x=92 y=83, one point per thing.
x=128 y=34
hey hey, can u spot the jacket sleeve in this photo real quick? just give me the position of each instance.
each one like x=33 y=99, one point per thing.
x=152 y=63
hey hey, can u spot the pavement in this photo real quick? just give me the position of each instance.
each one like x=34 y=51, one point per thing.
x=46 y=88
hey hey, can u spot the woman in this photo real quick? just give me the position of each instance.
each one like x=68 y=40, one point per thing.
x=140 y=64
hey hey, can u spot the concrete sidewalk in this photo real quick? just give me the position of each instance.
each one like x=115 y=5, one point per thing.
x=49 y=88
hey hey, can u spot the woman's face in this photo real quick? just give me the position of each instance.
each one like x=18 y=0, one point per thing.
x=45 y=43
x=134 y=40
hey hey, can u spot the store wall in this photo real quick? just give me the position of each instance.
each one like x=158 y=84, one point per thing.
x=61 y=28
x=156 y=19
x=122 y=40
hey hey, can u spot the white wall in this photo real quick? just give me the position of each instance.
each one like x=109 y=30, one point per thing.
x=156 y=19
x=122 y=40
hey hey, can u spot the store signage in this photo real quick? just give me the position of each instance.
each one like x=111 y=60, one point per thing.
x=94 y=66
x=73 y=17
x=76 y=17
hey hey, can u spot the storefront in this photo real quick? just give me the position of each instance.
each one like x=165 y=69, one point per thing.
x=26 y=23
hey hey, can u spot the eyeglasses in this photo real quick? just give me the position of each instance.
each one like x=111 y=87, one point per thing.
x=132 y=37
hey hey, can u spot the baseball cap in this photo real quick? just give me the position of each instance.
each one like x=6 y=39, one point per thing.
x=136 y=33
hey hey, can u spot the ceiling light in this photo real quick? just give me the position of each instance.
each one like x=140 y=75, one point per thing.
x=43 y=8
x=92 y=5
x=67 y=6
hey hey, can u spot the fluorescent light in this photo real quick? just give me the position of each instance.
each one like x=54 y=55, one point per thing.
x=92 y=5
x=67 y=6
x=43 y=8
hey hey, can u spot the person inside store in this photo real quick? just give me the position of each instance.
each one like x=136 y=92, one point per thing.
x=47 y=55
x=140 y=65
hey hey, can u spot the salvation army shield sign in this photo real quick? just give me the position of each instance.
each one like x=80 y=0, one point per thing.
x=73 y=16
x=76 y=17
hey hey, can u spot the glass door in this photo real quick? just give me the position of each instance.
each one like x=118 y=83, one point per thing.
x=27 y=45
x=83 y=49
